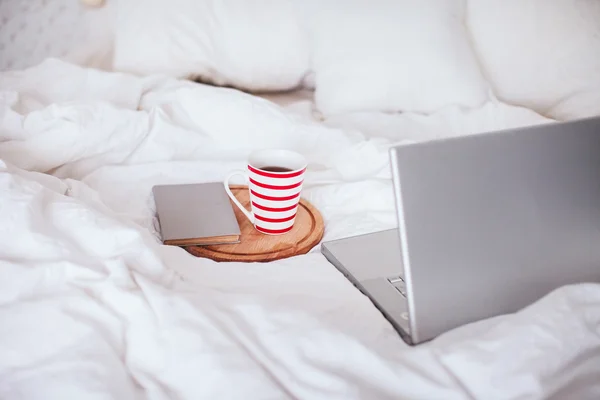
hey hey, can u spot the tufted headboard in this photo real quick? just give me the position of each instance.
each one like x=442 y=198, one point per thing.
x=76 y=30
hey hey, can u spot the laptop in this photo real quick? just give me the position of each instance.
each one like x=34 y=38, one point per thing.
x=487 y=224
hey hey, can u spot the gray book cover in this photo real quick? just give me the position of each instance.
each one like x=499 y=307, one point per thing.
x=195 y=214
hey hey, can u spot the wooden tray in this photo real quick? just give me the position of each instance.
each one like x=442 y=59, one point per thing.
x=257 y=247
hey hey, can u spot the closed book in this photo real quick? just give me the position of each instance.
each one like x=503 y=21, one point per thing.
x=196 y=214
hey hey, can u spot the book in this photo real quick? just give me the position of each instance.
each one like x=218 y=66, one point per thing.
x=196 y=214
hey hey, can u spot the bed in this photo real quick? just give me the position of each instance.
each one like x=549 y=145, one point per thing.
x=93 y=306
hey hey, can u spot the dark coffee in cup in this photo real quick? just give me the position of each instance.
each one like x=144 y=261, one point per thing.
x=276 y=169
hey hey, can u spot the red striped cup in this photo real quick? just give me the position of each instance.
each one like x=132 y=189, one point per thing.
x=275 y=178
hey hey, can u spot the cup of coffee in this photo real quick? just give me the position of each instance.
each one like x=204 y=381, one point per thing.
x=274 y=178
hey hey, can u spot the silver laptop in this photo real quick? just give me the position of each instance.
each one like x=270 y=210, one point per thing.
x=487 y=224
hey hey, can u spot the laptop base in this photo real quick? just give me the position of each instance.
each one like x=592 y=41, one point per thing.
x=370 y=262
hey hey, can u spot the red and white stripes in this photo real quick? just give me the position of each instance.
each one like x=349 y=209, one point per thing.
x=274 y=197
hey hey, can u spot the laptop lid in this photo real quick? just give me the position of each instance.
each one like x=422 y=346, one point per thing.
x=490 y=223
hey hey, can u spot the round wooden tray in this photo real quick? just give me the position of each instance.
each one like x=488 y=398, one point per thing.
x=257 y=247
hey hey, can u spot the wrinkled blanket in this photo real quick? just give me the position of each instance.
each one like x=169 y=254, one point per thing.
x=92 y=306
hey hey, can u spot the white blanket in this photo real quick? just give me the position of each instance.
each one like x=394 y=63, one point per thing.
x=92 y=306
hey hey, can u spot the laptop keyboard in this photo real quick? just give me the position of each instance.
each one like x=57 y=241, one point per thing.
x=398 y=283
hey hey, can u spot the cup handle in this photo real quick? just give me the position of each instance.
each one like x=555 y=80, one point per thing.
x=247 y=213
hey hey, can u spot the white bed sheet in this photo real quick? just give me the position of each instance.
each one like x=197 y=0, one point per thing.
x=92 y=306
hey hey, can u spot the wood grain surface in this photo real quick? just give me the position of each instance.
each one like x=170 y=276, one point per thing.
x=257 y=247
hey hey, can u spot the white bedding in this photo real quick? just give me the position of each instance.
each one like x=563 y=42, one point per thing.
x=93 y=307
x=33 y=30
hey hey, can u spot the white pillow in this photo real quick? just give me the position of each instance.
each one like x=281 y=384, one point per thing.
x=32 y=31
x=254 y=45
x=542 y=54
x=392 y=55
